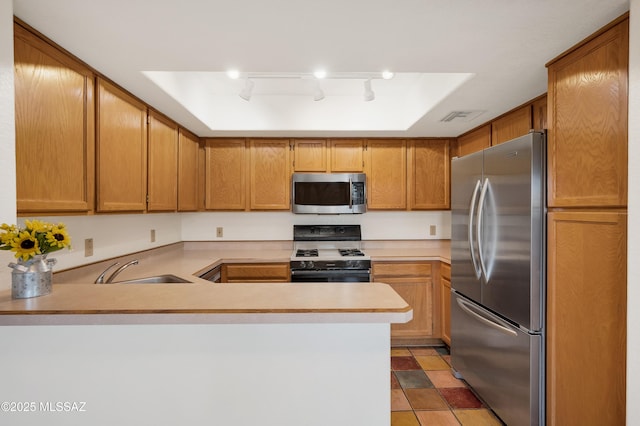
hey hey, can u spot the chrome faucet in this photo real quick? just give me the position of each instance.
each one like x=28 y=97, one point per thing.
x=101 y=280
x=120 y=269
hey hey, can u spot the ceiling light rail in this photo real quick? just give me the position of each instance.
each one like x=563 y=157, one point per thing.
x=317 y=76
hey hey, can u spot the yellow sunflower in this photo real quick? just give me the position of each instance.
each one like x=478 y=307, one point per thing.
x=58 y=238
x=25 y=245
x=37 y=225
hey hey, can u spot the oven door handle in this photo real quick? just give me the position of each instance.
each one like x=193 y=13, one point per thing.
x=346 y=272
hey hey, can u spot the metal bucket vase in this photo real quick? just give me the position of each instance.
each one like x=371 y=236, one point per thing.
x=31 y=278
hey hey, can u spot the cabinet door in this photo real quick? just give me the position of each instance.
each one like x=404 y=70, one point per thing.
x=346 y=155
x=270 y=176
x=162 y=164
x=188 y=170
x=225 y=179
x=445 y=302
x=310 y=155
x=514 y=124
x=474 y=141
x=586 y=318
x=429 y=174
x=386 y=167
x=121 y=150
x=587 y=146
x=539 y=110
x=54 y=117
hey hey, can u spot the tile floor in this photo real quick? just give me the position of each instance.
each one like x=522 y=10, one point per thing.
x=425 y=393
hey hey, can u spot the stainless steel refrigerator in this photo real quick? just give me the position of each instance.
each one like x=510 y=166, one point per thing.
x=498 y=246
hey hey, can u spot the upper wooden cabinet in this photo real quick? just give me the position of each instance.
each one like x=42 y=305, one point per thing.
x=386 y=168
x=270 y=174
x=429 y=174
x=162 y=164
x=54 y=116
x=346 y=155
x=475 y=141
x=587 y=147
x=121 y=129
x=309 y=155
x=539 y=111
x=188 y=171
x=225 y=174
x=512 y=125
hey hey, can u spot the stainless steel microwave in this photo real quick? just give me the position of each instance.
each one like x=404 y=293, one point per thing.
x=329 y=193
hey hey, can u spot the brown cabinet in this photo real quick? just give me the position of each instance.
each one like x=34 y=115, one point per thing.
x=587 y=231
x=309 y=155
x=188 y=171
x=270 y=174
x=346 y=155
x=413 y=281
x=474 y=141
x=121 y=129
x=54 y=117
x=162 y=165
x=255 y=272
x=429 y=174
x=445 y=302
x=587 y=146
x=226 y=174
x=539 y=111
x=586 y=317
x=512 y=125
x=386 y=168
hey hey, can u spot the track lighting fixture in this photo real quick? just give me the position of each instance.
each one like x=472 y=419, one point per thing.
x=245 y=93
x=318 y=94
x=368 y=92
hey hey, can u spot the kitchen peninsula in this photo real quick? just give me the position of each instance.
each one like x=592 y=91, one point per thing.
x=240 y=354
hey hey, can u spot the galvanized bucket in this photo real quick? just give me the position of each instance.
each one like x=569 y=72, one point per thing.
x=31 y=278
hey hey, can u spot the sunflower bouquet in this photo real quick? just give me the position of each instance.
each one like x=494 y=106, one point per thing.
x=35 y=238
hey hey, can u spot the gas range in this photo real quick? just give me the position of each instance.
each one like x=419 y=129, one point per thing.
x=328 y=253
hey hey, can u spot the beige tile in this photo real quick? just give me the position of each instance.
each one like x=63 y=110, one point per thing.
x=426 y=399
x=404 y=418
x=479 y=417
x=423 y=351
x=444 y=379
x=399 y=401
x=400 y=352
x=437 y=418
x=431 y=362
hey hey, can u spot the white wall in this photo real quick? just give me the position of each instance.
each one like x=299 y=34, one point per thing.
x=633 y=255
x=247 y=226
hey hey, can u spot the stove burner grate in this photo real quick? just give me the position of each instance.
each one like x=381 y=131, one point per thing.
x=350 y=252
x=307 y=253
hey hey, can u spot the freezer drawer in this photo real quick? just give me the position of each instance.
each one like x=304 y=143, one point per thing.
x=500 y=362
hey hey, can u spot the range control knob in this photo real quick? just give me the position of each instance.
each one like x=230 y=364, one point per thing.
x=309 y=265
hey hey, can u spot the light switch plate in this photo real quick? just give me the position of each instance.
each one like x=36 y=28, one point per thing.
x=153 y=236
x=432 y=230
x=219 y=232
x=88 y=247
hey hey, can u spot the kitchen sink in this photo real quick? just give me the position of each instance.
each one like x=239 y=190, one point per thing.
x=156 y=279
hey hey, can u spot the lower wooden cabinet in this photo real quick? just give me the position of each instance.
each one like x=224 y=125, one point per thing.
x=445 y=302
x=586 y=318
x=413 y=281
x=255 y=273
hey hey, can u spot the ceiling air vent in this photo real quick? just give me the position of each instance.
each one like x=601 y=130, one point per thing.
x=461 y=115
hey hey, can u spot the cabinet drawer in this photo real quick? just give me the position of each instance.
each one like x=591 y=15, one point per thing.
x=255 y=271
x=445 y=271
x=401 y=269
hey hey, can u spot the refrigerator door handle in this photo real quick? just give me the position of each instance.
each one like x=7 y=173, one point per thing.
x=472 y=208
x=483 y=196
x=467 y=307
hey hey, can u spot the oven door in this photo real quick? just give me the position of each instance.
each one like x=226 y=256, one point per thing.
x=331 y=276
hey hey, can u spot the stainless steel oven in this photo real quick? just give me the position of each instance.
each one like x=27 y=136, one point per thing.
x=329 y=253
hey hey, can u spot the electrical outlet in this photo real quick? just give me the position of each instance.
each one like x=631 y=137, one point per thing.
x=88 y=247
x=432 y=230
x=219 y=232
x=153 y=236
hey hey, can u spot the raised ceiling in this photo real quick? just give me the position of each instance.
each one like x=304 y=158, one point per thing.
x=448 y=55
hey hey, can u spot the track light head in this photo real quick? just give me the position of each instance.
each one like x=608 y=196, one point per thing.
x=369 y=95
x=245 y=93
